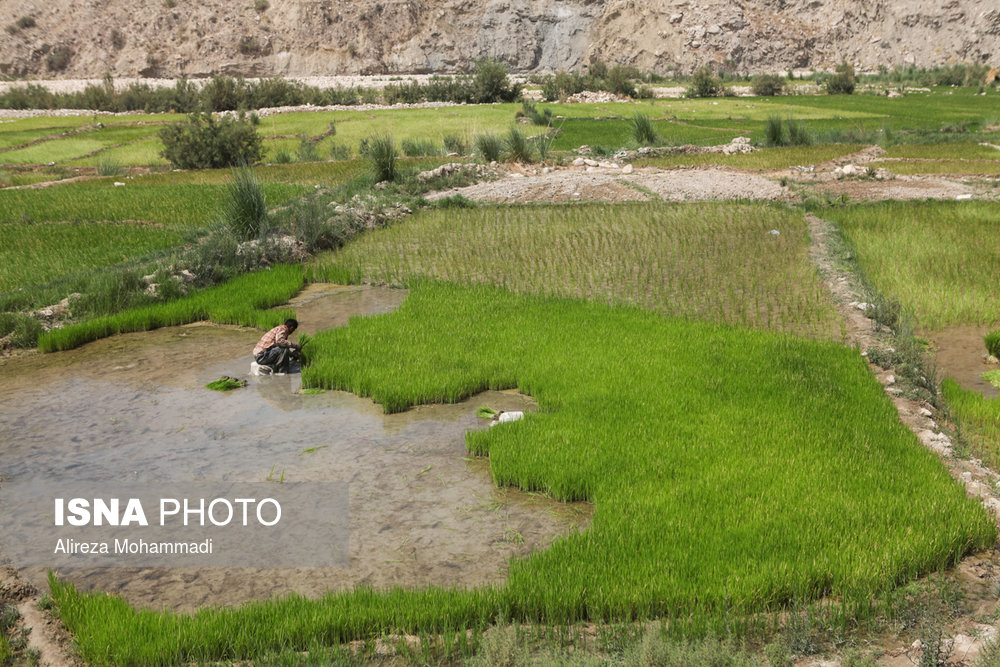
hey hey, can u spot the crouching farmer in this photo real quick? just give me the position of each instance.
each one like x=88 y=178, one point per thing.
x=274 y=351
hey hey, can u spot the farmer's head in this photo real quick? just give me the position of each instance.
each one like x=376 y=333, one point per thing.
x=292 y=324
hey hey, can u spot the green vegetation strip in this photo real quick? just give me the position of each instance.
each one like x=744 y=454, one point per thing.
x=929 y=255
x=979 y=417
x=733 y=472
x=167 y=204
x=708 y=261
x=33 y=254
x=770 y=158
x=241 y=301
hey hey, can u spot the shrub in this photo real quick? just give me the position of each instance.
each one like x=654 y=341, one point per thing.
x=529 y=111
x=380 y=149
x=340 y=151
x=58 y=59
x=283 y=156
x=642 y=130
x=489 y=147
x=517 y=145
x=117 y=39
x=245 y=212
x=202 y=142
x=992 y=341
x=797 y=134
x=107 y=165
x=22 y=329
x=490 y=83
x=842 y=83
x=619 y=81
x=25 y=22
x=248 y=45
x=704 y=84
x=768 y=85
x=261 y=5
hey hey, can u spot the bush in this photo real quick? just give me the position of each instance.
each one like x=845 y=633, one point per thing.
x=642 y=130
x=768 y=85
x=380 y=149
x=261 y=5
x=531 y=112
x=245 y=212
x=307 y=149
x=25 y=22
x=992 y=341
x=842 y=83
x=248 y=45
x=704 y=84
x=205 y=143
x=58 y=59
x=489 y=147
x=490 y=83
x=797 y=134
x=619 y=81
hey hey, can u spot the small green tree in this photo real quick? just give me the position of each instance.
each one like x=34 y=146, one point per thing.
x=490 y=83
x=843 y=82
x=704 y=84
x=768 y=85
x=202 y=142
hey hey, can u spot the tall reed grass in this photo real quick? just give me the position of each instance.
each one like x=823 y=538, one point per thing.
x=734 y=473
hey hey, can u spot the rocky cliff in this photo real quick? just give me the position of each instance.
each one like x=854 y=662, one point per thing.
x=170 y=38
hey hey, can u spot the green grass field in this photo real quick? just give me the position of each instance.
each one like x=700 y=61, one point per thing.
x=768 y=158
x=706 y=261
x=732 y=472
x=931 y=256
x=32 y=254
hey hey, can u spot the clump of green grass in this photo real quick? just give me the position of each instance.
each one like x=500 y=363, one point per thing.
x=107 y=165
x=706 y=261
x=489 y=147
x=419 y=147
x=226 y=383
x=380 y=149
x=930 y=256
x=245 y=209
x=642 y=130
x=992 y=342
x=518 y=147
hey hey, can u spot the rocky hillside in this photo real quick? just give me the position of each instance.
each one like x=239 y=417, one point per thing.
x=195 y=38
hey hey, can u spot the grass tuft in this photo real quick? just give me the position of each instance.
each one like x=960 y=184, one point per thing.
x=245 y=208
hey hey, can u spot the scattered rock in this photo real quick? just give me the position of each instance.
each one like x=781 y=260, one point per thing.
x=590 y=163
x=925 y=412
x=628 y=169
x=579 y=162
x=454 y=169
x=288 y=247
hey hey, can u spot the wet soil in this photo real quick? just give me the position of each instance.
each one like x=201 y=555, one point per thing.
x=961 y=355
x=134 y=408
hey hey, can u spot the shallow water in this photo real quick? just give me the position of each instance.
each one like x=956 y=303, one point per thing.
x=134 y=408
x=961 y=355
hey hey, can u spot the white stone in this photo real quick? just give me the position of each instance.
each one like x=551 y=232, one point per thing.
x=590 y=163
x=890 y=379
x=676 y=18
x=119 y=184
x=579 y=162
x=628 y=169
x=925 y=412
x=963 y=197
x=591 y=169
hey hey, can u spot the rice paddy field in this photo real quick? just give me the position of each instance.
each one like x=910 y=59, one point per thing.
x=692 y=374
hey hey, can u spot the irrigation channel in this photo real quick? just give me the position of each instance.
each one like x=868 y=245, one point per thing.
x=134 y=408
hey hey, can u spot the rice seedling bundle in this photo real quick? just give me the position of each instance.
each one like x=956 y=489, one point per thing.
x=705 y=261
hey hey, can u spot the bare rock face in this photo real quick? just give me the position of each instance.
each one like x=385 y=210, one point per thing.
x=171 y=38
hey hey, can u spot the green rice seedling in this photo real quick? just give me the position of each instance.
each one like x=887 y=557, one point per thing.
x=283 y=156
x=380 y=149
x=226 y=383
x=489 y=147
x=642 y=130
x=23 y=330
x=929 y=256
x=245 y=210
x=665 y=425
x=993 y=377
x=517 y=145
x=978 y=417
x=486 y=412
x=992 y=342
x=705 y=261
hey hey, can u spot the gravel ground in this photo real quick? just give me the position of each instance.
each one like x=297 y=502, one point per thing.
x=606 y=184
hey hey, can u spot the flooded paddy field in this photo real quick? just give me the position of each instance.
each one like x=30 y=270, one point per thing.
x=133 y=408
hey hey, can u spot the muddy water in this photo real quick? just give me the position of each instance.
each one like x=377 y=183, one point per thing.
x=134 y=408
x=961 y=355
